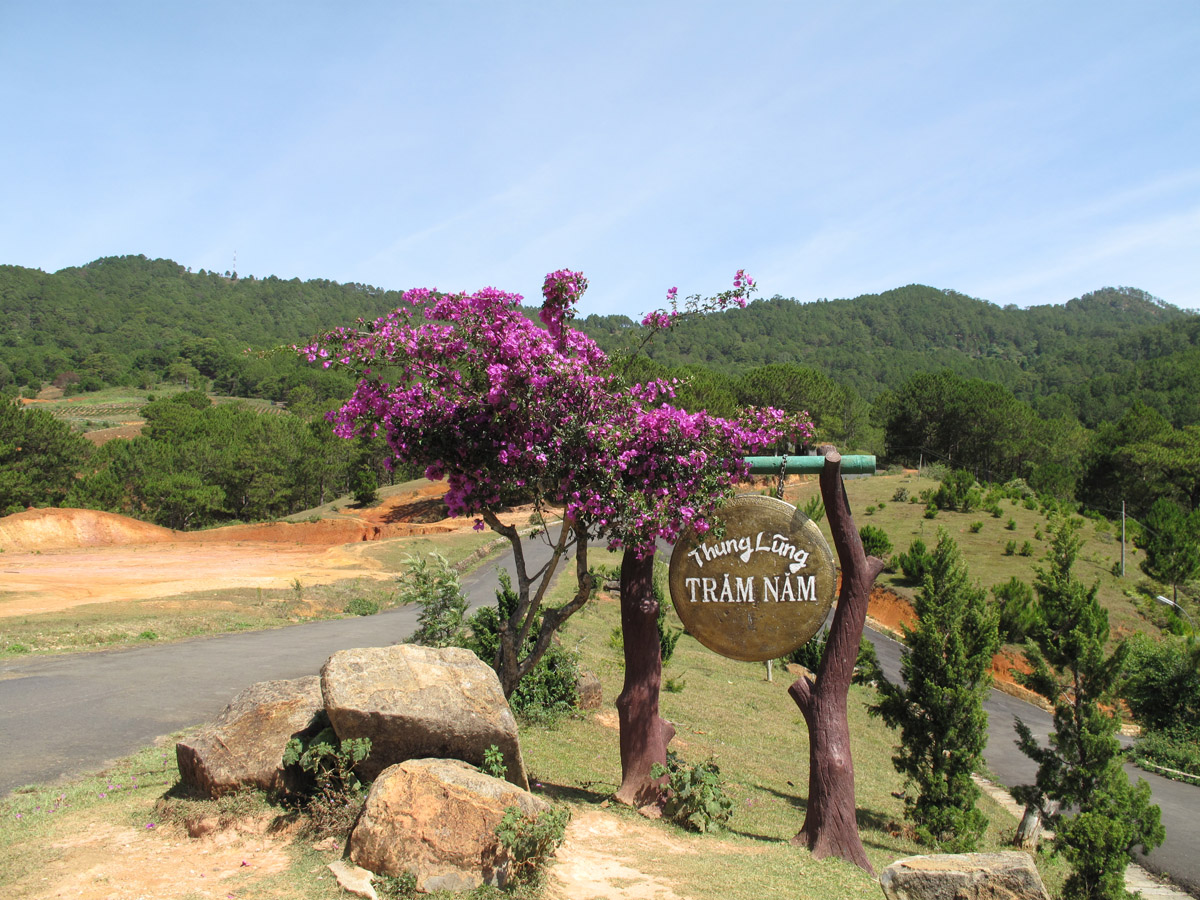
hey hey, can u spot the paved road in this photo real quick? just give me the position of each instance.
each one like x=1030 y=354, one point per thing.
x=64 y=715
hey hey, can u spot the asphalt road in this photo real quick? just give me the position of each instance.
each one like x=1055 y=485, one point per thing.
x=64 y=715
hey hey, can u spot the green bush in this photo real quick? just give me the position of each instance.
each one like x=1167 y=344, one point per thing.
x=551 y=689
x=1026 y=549
x=337 y=795
x=362 y=606
x=696 y=796
x=875 y=541
x=493 y=762
x=1011 y=524
x=900 y=496
x=530 y=841
x=975 y=527
x=814 y=508
x=866 y=664
x=1017 y=610
x=1175 y=748
x=1161 y=682
x=1010 y=548
x=915 y=563
x=958 y=491
x=434 y=586
x=396 y=887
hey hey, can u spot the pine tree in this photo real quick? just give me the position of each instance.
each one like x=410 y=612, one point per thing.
x=943 y=728
x=1100 y=817
x=1172 y=545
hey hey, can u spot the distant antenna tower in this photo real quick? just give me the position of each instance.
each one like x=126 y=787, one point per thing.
x=235 y=264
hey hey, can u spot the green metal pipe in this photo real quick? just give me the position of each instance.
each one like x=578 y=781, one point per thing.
x=797 y=465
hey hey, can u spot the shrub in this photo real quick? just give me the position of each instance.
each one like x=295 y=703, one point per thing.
x=870 y=510
x=1161 y=682
x=551 y=689
x=1010 y=548
x=396 y=887
x=674 y=685
x=334 y=802
x=695 y=794
x=875 y=541
x=1175 y=748
x=915 y=563
x=1015 y=605
x=1026 y=549
x=958 y=491
x=493 y=762
x=975 y=527
x=900 y=496
x=931 y=511
x=866 y=665
x=531 y=840
x=814 y=508
x=434 y=586
x=995 y=510
x=362 y=606
x=364 y=485
x=1011 y=524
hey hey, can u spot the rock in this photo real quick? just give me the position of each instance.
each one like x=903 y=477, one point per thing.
x=588 y=686
x=964 y=876
x=415 y=702
x=354 y=880
x=244 y=746
x=437 y=818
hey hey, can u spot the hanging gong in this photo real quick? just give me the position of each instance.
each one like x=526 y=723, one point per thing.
x=758 y=584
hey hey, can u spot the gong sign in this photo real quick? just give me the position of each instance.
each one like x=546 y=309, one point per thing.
x=761 y=588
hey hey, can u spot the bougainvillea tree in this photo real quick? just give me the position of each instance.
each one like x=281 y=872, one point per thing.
x=468 y=387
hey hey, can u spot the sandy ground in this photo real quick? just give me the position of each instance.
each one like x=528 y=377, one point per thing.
x=54 y=559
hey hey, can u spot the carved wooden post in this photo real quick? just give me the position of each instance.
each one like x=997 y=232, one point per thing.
x=830 y=827
x=644 y=734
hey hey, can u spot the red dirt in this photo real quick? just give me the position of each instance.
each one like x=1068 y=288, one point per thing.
x=55 y=559
x=126 y=430
x=889 y=610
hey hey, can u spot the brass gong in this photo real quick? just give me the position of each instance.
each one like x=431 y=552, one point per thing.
x=759 y=590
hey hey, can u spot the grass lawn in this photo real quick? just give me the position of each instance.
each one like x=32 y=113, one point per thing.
x=1128 y=600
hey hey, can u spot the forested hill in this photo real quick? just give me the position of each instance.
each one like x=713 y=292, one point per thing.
x=129 y=319
x=134 y=321
x=874 y=342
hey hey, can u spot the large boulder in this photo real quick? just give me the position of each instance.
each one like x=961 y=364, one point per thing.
x=244 y=746
x=415 y=702
x=437 y=818
x=964 y=876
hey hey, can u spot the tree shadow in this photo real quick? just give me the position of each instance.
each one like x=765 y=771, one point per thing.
x=590 y=792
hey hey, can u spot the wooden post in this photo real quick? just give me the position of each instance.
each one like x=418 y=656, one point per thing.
x=830 y=827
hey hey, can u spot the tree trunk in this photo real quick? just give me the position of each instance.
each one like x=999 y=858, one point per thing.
x=830 y=827
x=644 y=734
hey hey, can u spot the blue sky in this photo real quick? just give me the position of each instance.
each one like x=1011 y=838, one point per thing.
x=1021 y=152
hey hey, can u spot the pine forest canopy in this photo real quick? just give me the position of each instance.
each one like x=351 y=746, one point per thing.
x=1052 y=394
